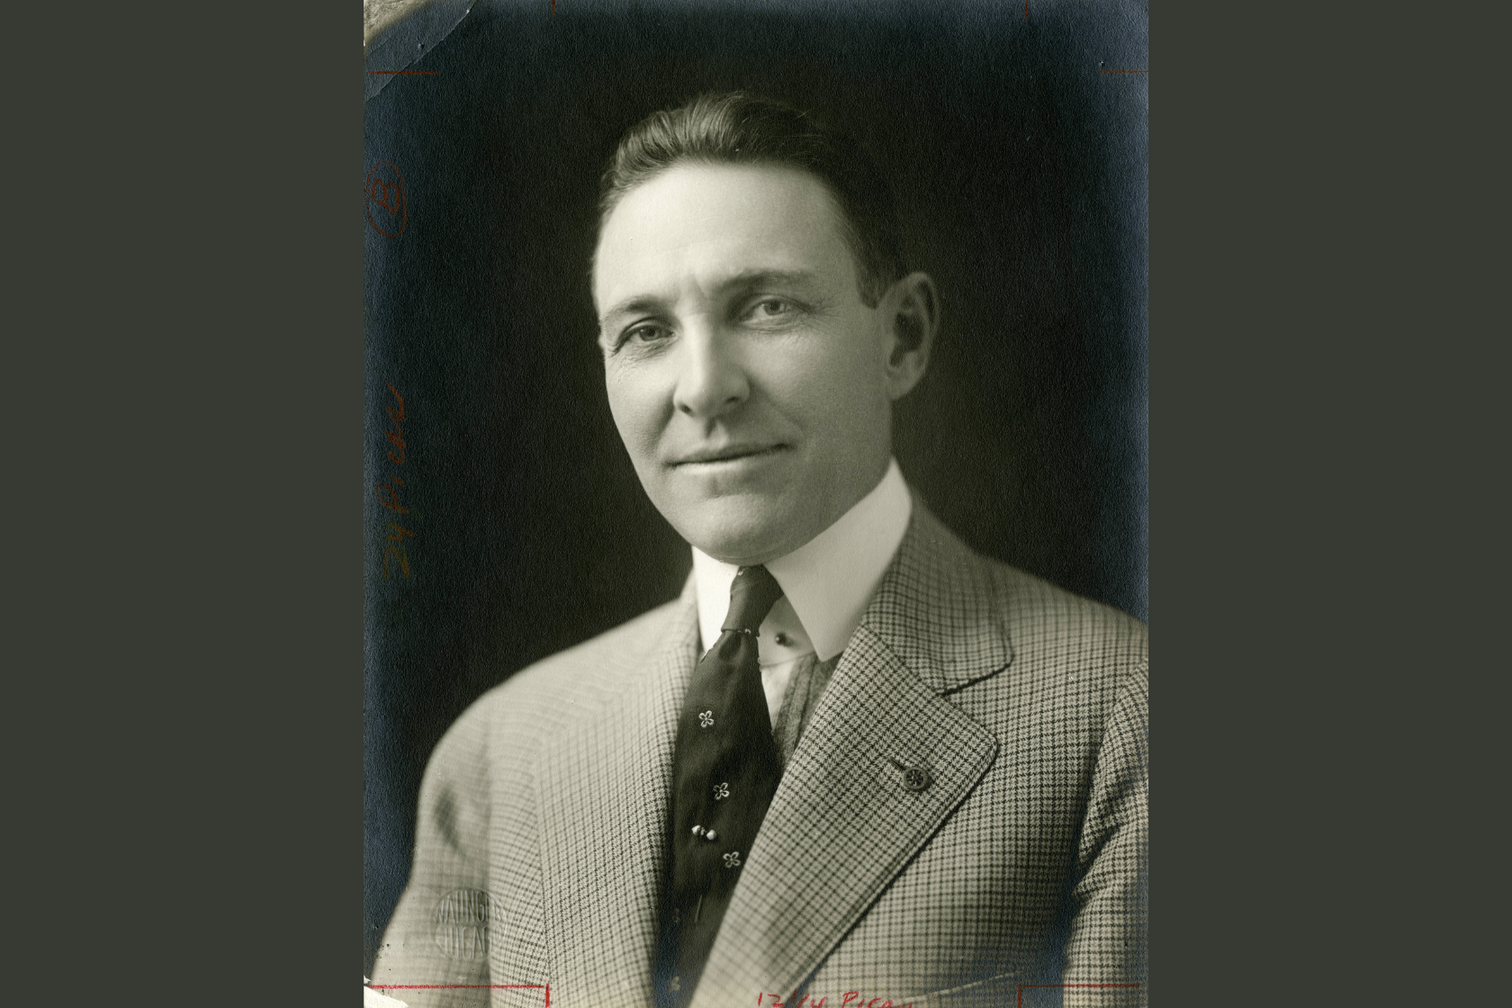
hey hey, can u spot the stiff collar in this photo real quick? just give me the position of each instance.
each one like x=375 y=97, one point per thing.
x=826 y=583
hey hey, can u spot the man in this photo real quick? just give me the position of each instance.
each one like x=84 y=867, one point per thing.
x=855 y=763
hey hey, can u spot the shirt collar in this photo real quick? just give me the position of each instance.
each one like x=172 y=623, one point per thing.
x=826 y=583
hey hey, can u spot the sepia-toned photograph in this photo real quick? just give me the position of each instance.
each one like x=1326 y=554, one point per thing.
x=755 y=482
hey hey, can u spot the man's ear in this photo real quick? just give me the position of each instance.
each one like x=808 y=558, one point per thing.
x=911 y=313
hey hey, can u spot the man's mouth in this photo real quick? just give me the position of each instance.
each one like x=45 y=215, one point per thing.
x=727 y=453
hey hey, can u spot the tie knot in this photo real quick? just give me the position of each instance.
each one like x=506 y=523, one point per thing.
x=752 y=595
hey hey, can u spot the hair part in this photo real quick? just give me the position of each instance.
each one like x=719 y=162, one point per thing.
x=741 y=128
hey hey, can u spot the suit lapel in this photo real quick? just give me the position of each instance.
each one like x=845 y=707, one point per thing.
x=604 y=788
x=843 y=823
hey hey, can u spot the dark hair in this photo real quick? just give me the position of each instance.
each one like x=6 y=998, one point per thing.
x=741 y=128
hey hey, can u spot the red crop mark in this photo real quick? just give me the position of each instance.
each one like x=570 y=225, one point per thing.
x=384 y=186
x=1024 y=987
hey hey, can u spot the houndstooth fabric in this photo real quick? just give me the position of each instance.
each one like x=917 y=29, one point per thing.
x=1018 y=867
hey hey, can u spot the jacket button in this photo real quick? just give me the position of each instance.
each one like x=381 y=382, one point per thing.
x=916 y=778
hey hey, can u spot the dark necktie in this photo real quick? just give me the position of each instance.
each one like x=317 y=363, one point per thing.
x=725 y=772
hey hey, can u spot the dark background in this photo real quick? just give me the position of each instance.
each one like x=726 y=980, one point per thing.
x=1020 y=173
x=185 y=640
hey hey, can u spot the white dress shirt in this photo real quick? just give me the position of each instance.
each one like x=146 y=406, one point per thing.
x=826 y=585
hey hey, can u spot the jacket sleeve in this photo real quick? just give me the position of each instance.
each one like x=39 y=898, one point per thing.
x=435 y=951
x=1108 y=943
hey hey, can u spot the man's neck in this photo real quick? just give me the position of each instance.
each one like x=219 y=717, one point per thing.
x=827 y=582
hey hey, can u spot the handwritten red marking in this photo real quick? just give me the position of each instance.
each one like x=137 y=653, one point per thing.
x=393 y=502
x=386 y=195
x=861 y=1002
x=397 y=533
x=396 y=436
x=384 y=185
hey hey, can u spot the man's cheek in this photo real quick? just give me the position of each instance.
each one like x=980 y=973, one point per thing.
x=632 y=419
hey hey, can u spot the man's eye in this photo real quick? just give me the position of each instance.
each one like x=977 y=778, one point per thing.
x=768 y=308
x=644 y=333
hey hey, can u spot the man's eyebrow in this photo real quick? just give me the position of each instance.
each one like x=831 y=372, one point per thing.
x=743 y=280
x=761 y=277
x=629 y=306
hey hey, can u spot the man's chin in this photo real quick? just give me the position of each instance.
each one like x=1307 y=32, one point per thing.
x=742 y=531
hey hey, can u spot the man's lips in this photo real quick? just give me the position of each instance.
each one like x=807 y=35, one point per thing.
x=727 y=453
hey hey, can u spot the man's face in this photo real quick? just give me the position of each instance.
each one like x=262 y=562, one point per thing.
x=746 y=377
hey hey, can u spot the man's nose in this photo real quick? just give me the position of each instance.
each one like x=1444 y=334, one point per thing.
x=711 y=379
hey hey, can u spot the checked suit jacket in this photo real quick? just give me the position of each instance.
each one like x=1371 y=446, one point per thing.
x=1020 y=866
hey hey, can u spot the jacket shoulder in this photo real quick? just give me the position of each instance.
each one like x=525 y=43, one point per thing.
x=1044 y=619
x=1044 y=626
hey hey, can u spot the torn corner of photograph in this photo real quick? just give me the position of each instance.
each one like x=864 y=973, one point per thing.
x=373 y=999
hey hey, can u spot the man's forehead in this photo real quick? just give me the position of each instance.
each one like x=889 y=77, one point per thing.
x=714 y=225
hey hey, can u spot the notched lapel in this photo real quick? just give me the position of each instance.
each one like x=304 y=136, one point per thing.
x=938 y=608
x=844 y=821
x=603 y=815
